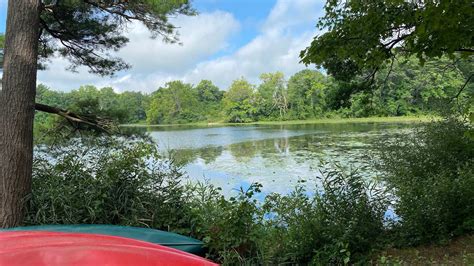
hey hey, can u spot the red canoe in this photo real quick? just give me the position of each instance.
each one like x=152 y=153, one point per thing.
x=54 y=249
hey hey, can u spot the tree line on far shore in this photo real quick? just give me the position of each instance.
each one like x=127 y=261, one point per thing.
x=403 y=88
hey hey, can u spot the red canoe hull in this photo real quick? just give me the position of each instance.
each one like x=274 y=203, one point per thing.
x=54 y=249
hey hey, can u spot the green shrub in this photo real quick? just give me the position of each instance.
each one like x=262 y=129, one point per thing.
x=431 y=174
x=122 y=181
x=229 y=227
x=108 y=181
x=342 y=223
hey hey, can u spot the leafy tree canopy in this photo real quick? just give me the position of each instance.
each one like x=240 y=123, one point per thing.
x=175 y=102
x=208 y=92
x=239 y=101
x=306 y=92
x=362 y=35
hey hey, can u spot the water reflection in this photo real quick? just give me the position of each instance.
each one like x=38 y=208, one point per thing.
x=276 y=156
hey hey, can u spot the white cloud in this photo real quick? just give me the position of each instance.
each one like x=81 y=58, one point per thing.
x=287 y=15
x=201 y=36
x=276 y=48
x=266 y=53
x=153 y=60
x=287 y=30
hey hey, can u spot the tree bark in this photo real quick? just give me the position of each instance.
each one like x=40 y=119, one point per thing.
x=17 y=105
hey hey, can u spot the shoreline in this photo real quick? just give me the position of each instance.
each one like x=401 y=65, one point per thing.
x=388 y=119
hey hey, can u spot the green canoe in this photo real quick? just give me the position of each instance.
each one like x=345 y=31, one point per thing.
x=163 y=238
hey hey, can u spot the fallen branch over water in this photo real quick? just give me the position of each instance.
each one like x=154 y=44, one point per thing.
x=79 y=121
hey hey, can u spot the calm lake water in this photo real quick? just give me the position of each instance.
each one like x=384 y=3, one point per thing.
x=275 y=156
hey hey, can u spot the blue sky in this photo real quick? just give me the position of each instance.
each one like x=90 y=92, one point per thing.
x=229 y=39
x=3 y=14
x=249 y=12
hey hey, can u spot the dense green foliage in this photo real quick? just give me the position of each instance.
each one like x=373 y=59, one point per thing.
x=409 y=89
x=239 y=102
x=178 y=102
x=432 y=174
x=340 y=225
x=361 y=36
x=427 y=180
x=406 y=87
x=117 y=181
x=110 y=182
x=126 y=107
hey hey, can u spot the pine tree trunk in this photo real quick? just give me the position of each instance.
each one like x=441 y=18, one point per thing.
x=17 y=106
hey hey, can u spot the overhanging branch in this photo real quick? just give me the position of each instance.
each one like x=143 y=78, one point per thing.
x=79 y=121
x=463 y=86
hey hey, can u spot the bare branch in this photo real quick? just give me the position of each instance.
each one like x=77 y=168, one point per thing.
x=79 y=121
x=468 y=50
x=389 y=71
x=462 y=88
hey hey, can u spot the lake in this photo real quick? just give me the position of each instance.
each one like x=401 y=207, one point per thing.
x=277 y=156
